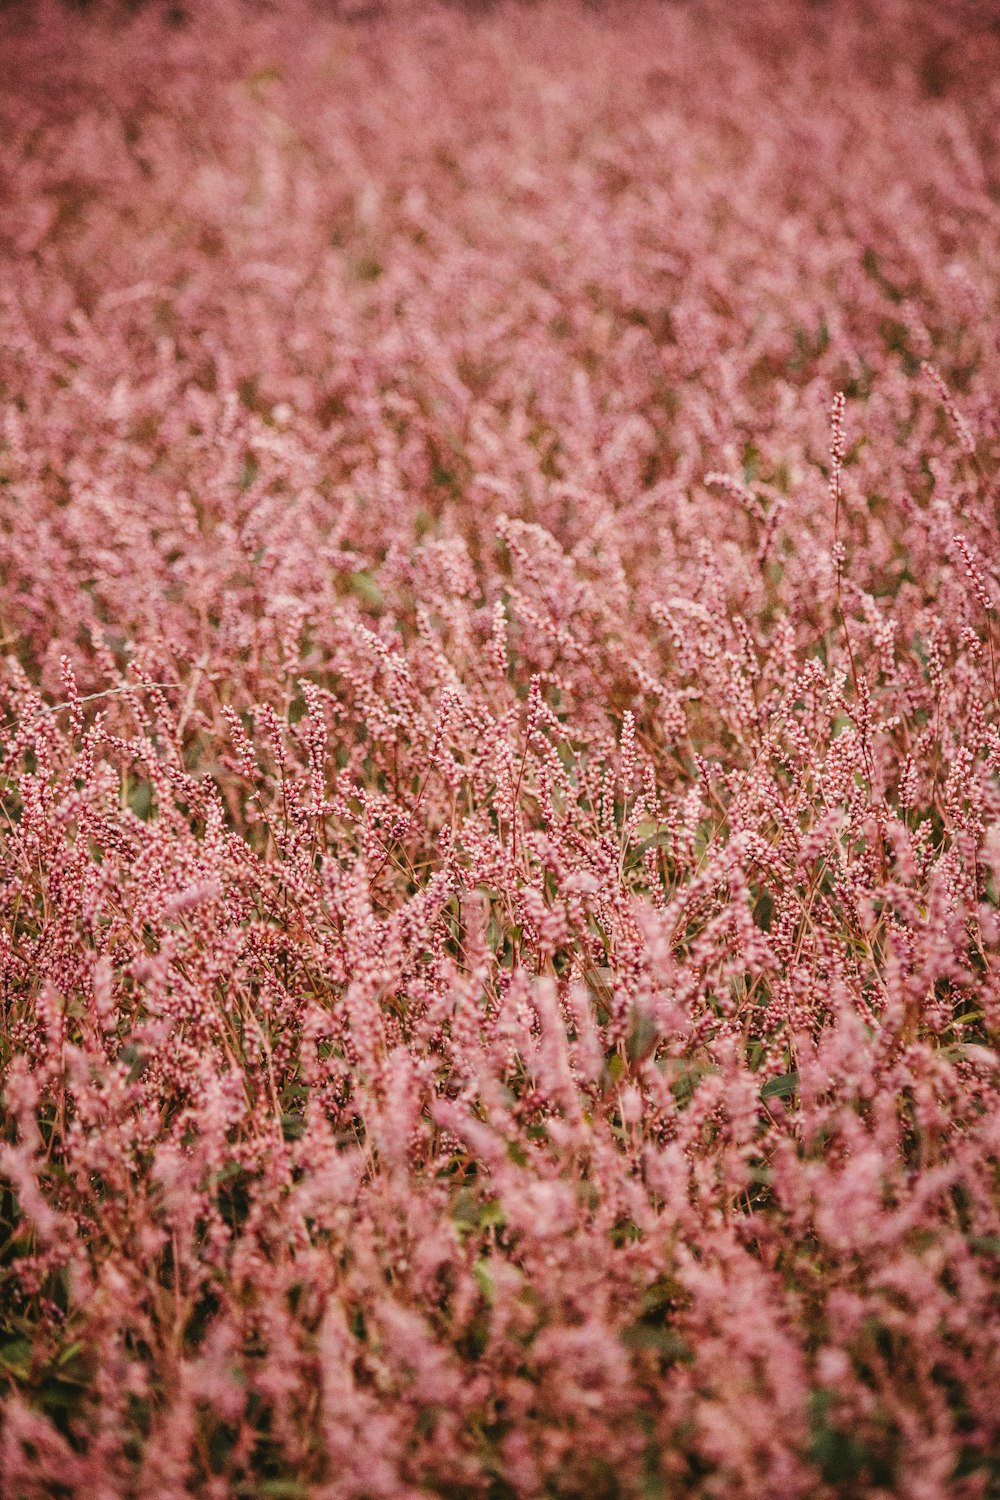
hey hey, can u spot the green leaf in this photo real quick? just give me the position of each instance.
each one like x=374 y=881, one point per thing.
x=685 y=1077
x=484 y=1280
x=15 y=1357
x=134 y=1059
x=492 y=1215
x=367 y=589
x=780 y=1087
x=616 y=1067
x=642 y=1037
x=655 y=841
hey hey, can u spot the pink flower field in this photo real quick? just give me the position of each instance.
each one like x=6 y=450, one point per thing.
x=500 y=750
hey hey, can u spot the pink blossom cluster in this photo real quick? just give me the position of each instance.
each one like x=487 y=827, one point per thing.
x=499 y=749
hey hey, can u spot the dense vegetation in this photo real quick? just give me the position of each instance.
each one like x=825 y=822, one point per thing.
x=500 y=837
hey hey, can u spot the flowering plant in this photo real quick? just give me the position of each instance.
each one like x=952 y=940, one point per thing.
x=500 y=841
